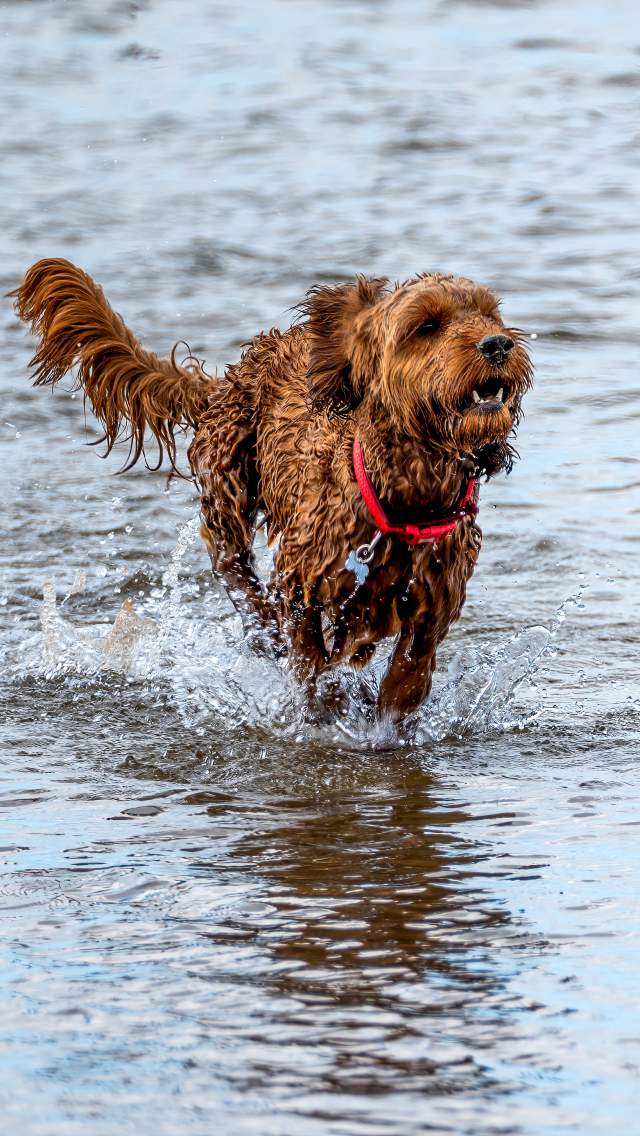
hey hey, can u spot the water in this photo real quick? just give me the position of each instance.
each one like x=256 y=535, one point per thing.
x=212 y=914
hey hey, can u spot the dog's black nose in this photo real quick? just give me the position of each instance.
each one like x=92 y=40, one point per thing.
x=495 y=348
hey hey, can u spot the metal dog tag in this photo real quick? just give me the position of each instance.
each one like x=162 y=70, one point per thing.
x=359 y=568
x=359 y=559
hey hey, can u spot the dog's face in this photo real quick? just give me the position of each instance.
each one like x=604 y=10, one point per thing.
x=433 y=353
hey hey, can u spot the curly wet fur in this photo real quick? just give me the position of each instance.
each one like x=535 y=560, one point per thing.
x=274 y=436
x=129 y=388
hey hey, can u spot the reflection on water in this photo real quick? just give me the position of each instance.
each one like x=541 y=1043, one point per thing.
x=357 y=941
x=370 y=934
x=212 y=914
x=319 y=947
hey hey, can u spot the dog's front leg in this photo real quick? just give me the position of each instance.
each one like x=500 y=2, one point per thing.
x=325 y=697
x=307 y=651
x=233 y=564
x=258 y=613
x=222 y=457
x=407 y=681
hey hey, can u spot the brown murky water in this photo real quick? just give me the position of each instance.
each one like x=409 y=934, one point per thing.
x=213 y=916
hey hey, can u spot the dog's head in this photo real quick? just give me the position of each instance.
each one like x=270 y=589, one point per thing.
x=432 y=354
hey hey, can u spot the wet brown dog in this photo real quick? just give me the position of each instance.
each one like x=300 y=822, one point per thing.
x=427 y=378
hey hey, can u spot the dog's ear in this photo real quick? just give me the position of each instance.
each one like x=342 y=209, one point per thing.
x=332 y=315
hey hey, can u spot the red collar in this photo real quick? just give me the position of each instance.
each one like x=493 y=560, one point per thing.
x=411 y=534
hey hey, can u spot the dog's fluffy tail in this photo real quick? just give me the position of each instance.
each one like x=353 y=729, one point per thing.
x=131 y=389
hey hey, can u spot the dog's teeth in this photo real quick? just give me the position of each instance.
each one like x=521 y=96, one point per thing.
x=476 y=397
x=499 y=394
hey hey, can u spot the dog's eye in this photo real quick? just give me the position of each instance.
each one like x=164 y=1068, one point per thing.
x=428 y=327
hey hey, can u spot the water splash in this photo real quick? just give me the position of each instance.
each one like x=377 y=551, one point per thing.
x=203 y=655
x=481 y=684
x=186 y=647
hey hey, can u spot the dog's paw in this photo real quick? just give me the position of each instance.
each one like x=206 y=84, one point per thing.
x=265 y=643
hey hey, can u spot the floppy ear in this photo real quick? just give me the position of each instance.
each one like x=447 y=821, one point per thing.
x=332 y=315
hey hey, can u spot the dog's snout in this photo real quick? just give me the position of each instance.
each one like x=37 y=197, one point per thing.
x=495 y=348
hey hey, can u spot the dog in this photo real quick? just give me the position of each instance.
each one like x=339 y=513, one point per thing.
x=357 y=437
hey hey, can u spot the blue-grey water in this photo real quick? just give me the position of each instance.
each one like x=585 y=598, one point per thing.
x=212 y=917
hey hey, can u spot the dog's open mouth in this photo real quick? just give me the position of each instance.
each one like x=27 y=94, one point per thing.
x=487 y=398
